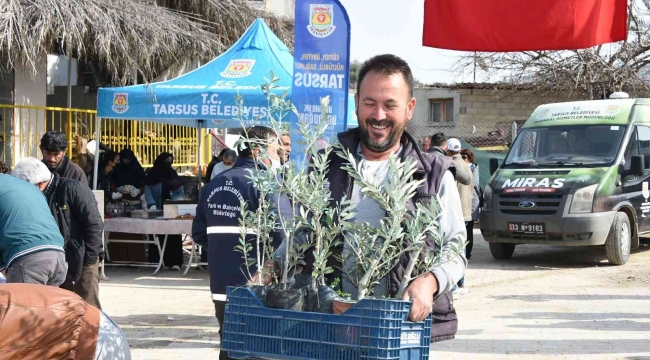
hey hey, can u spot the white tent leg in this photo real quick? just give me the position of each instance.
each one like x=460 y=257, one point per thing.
x=200 y=135
x=98 y=131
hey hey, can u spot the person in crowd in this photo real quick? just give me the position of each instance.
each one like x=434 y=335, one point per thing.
x=74 y=208
x=4 y=168
x=215 y=160
x=468 y=156
x=228 y=160
x=128 y=173
x=54 y=146
x=162 y=183
x=463 y=174
x=465 y=190
x=426 y=144
x=31 y=246
x=385 y=104
x=44 y=322
x=285 y=148
x=438 y=145
x=218 y=231
x=86 y=151
x=108 y=160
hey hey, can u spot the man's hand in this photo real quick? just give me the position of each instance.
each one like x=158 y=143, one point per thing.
x=421 y=292
x=269 y=269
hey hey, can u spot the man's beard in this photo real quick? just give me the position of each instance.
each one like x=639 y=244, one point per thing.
x=393 y=137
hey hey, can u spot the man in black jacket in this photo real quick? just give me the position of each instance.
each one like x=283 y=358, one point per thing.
x=74 y=208
x=54 y=146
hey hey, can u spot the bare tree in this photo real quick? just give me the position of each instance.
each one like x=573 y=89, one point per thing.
x=583 y=73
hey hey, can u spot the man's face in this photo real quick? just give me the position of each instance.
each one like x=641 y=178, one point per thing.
x=384 y=106
x=426 y=144
x=42 y=185
x=228 y=162
x=286 y=148
x=273 y=149
x=52 y=158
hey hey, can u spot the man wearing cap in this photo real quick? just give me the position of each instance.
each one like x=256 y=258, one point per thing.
x=440 y=146
x=465 y=190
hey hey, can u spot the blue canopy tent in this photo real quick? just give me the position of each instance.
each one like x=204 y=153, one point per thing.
x=206 y=97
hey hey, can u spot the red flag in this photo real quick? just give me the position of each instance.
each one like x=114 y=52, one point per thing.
x=523 y=25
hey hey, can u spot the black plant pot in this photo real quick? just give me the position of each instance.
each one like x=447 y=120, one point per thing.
x=286 y=298
x=260 y=292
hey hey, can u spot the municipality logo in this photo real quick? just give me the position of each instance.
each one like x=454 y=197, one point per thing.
x=120 y=102
x=238 y=68
x=613 y=109
x=542 y=114
x=321 y=20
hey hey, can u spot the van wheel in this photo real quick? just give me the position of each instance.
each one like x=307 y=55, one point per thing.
x=619 y=240
x=502 y=251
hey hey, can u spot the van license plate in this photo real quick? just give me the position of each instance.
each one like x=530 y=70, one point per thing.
x=527 y=228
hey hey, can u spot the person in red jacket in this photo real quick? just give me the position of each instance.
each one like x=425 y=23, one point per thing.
x=40 y=322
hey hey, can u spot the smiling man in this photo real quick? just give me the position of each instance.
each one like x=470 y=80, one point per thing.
x=385 y=104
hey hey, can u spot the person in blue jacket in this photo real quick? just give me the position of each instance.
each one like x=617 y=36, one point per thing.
x=31 y=246
x=216 y=225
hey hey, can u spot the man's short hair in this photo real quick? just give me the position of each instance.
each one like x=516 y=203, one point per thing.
x=230 y=155
x=54 y=141
x=254 y=137
x=438 y=139
x=32 y=170
x=386 y=64
x=4 y=168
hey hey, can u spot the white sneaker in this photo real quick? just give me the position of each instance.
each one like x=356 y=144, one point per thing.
x=176 y=268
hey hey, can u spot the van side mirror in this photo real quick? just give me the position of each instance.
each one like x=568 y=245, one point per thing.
x=494 y=165
x=638 y=165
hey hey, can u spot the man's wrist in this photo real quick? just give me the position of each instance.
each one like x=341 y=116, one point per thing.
x=435 y=279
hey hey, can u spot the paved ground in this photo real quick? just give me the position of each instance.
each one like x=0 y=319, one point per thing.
x=544 y=303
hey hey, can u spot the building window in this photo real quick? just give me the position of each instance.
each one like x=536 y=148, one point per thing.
x=441 y=111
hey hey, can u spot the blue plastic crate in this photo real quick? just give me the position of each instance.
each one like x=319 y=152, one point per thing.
x=371 y=329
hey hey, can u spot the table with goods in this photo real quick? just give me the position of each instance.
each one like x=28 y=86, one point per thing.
x=127 y=217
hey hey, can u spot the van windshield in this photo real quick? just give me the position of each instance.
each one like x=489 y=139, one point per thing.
x=576 y=145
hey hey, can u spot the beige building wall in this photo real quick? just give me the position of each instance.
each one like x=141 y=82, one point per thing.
x=476 y=112
x=486 y=105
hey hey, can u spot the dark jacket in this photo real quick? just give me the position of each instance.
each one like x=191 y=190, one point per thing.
x=75 y=210
x=429 y=167
x=216 y=225
x=462 y=175
x=69 y=170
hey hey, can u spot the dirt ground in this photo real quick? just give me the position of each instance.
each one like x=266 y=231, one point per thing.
x=544 y=303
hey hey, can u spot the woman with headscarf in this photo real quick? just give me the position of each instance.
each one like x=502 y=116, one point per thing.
x=162 y=183
x=129 y=174
x=107 y=162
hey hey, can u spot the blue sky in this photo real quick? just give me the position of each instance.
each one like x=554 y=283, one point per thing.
x=395 y=26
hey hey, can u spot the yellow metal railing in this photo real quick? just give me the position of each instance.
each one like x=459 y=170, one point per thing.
x=21 y=128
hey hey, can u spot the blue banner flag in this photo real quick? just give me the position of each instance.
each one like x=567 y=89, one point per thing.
x=321 y=67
